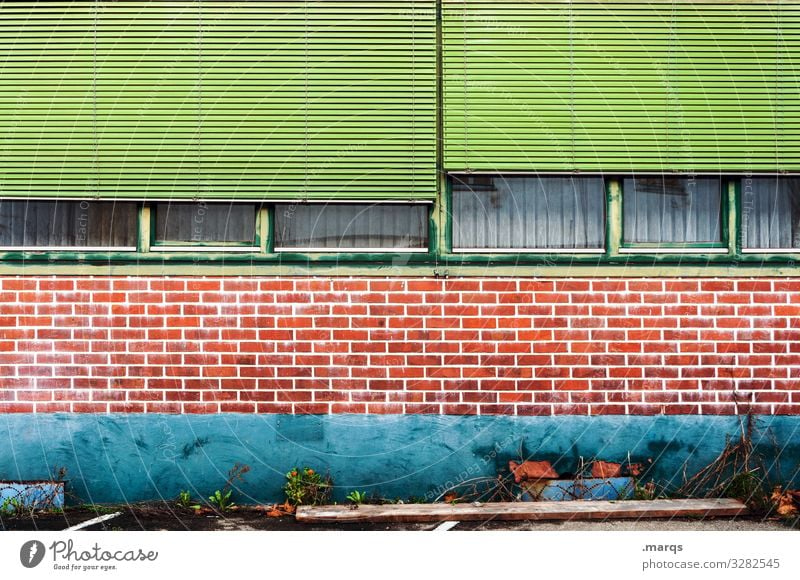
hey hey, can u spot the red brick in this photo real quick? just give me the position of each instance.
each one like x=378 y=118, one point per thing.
x=753 y=286
x=171 y=408
x=645 y=286
x=200 y=408
x=90 y=407
x=681 y=285
x=607 y=409
x=717 y=285
x=53 y=407
x=387 y=409
x=571 y=409
x=712 y=409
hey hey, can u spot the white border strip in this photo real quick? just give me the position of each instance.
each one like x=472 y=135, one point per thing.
x=358 y=250
x=68 y=248
x=673 y=250
x=528 y=251
x=239 y=249
x=771 y=250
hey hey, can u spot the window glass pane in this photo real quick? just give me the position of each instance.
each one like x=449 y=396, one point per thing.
x=771 y=213
x=495 y=212
x=351 y=226
x=206 y=222
x=72 y=224
x=664 y=209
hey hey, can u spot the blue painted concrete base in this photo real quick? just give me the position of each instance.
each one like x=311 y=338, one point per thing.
x=118 y=458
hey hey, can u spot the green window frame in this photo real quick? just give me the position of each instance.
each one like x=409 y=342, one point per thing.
x=536 y=197
x=362 y=209
x=728 y=251
x=167 y=245
x=262 y=251
x=714 y=247
x=750 y=203
x=438 y=259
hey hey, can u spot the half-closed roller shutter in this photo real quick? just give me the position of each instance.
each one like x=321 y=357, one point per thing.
x=622 y=86
x=263 y=100
x=47 y=137
x=149 y=99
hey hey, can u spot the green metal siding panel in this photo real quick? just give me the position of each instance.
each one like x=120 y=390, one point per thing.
x=621 y=86
x=281 y=100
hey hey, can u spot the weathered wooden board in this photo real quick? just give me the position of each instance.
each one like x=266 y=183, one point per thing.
x=551 y=510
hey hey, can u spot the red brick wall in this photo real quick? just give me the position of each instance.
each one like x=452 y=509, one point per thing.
x=399 y=345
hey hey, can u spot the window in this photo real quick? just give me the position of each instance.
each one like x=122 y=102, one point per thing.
x=531 y=213
x=770 y=214
x=54 y=225
x=486 y=219
x=323 y=227
x=209 y=226
x=672 y=214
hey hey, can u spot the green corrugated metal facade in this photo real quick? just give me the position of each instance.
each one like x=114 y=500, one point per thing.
x=622 y=86
x=338 y=99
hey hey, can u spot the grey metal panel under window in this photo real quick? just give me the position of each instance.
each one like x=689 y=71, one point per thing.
x=351 y=226
x=671 y=210
x=68 y=224
x=770 y=213
x=205 y=222
x=528 y=213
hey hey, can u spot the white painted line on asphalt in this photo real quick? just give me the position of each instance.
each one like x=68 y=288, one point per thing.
x=445 y=526
x=93 y=521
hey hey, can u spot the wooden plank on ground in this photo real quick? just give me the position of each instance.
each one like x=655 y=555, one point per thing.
x=550 y=510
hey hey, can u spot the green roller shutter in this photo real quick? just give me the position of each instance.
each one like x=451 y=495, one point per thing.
x=621 y=86
x=149 y=99
x=262 y=100
x=47 y=138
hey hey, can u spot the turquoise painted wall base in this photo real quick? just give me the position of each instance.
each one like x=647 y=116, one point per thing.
x=125 y=458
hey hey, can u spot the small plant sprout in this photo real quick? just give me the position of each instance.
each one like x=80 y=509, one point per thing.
x=185 y=500
x=357 y=497
x=221 y=500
